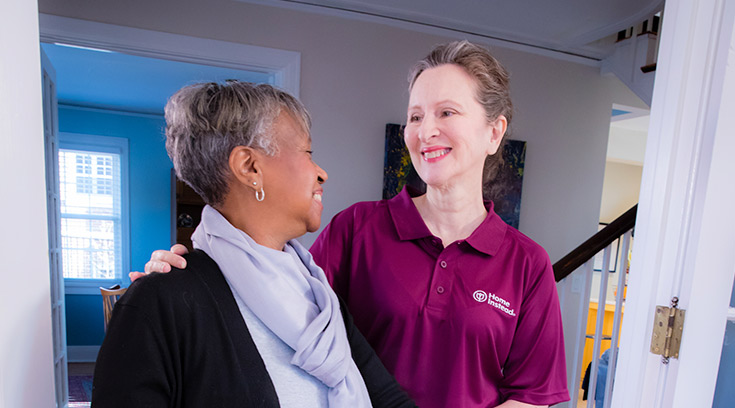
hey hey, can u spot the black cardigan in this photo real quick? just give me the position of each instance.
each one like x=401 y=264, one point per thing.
x=178 y=340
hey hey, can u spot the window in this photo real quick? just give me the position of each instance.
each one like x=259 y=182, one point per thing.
x=84 y=185
x=93 y=194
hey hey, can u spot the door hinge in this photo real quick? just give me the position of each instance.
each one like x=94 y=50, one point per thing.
x=668 y=326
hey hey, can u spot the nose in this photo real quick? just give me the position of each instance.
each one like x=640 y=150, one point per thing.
x=427 y=129
x=321 y=175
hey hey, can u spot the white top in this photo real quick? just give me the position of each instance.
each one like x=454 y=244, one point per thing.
x=294 y=386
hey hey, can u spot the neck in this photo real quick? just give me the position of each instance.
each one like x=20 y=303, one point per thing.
x=251 y=218
x=453 y=212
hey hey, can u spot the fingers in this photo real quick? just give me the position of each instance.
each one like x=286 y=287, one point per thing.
x=162 y=261
x=179 y=249
x=157 y=266
x=135 y=275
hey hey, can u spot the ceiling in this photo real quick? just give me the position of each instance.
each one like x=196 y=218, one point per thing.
x=585 y=28
x=105 y=79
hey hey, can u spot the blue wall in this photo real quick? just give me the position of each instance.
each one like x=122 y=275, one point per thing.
x=150 y=202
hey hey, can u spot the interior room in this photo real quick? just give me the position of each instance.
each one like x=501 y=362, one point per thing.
x=582 y=105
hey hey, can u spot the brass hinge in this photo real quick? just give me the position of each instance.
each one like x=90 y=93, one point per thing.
x=668 y=325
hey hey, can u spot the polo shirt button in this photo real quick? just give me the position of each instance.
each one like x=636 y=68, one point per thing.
x=440 y=290
x=443 y=264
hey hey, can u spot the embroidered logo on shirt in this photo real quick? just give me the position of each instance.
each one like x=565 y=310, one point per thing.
x=493 y=300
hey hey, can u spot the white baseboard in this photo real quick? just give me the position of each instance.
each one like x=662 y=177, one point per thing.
x=82 y=354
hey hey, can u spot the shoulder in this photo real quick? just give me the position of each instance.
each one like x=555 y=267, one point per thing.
x=359 y=211
x=525 y=256
x=346 y=223
x=159 y=289
x=531 y=264
x=521 y=241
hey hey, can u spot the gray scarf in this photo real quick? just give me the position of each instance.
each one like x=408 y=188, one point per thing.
x=313 y=328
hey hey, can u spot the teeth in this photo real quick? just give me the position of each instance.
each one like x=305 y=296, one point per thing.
x=318 y=197
x=435 y=154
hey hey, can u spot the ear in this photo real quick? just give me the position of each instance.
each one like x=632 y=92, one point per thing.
x=245 y=167
x=497 y=130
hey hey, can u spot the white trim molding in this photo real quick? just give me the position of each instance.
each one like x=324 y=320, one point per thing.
x=685 y=230
x=284 y=65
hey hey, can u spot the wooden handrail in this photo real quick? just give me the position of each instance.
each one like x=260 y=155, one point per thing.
x=598 y=242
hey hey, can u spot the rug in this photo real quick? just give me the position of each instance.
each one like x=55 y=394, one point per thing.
x=80 y=390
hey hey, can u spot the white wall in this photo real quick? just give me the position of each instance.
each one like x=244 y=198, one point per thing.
x=26 y=362
x=353 y=81
x=626 y=145
x=620 y=189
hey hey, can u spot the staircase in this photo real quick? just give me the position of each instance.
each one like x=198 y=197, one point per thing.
x=575 y=274
x=634 y=58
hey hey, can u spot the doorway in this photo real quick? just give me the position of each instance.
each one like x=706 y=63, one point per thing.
x=113 y=81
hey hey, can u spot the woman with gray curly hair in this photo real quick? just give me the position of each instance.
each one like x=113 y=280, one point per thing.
x=251 y=320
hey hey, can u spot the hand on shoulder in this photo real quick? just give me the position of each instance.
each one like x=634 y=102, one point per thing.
x=162 y=261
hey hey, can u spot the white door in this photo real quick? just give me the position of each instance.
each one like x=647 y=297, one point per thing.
x=685 y=233
x=51 y=147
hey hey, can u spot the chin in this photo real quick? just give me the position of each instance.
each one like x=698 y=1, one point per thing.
x=314 y=226
x=435 y=180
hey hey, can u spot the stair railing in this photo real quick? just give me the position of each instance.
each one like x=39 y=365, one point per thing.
x=582 y=258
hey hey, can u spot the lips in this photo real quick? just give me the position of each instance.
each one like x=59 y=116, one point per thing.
x=434 y=153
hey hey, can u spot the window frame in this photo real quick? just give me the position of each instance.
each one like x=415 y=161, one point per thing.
x=103 y=144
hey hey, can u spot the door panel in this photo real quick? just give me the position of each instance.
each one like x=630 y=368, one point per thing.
x=58 y=313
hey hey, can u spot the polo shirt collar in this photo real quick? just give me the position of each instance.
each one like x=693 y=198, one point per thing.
x=406 y=217
x=486 y=238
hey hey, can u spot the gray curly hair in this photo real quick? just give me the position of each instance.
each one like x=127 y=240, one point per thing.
x=205 y=121
x=493 y=85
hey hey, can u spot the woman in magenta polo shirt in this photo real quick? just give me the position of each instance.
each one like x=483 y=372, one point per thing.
x=459 y=306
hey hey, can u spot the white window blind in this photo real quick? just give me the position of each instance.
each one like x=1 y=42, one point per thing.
x=92 y=177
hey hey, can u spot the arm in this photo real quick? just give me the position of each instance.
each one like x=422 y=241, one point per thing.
x=382 y=387
x=133 y=366
x=516 y=404
x=535 y=369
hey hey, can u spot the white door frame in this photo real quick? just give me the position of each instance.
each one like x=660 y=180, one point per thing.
x=58 y=308
x=285 y=65
x=685 y=234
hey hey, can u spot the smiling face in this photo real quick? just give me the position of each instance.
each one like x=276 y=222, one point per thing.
x=291 y=179
x=447 y=132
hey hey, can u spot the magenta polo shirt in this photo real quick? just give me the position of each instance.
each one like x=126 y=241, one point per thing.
x=468 y=325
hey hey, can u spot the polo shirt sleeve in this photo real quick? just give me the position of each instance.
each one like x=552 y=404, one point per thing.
x=535 y=371
x=331 y=250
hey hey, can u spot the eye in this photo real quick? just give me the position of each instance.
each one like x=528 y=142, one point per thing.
x=447 y=113
x=414 y=118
